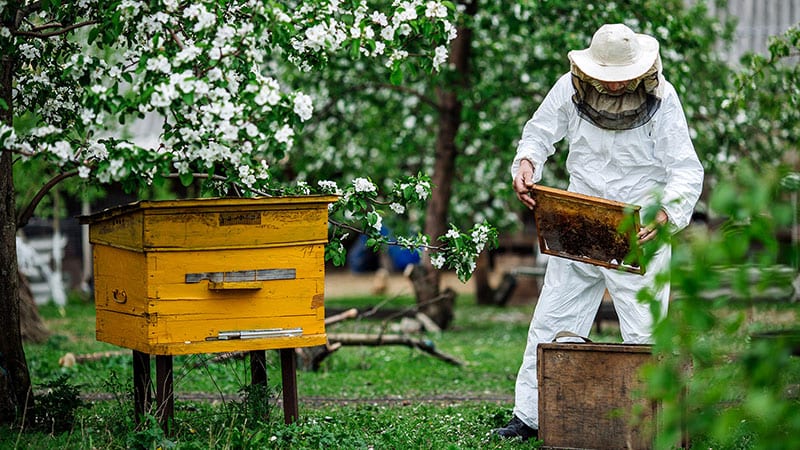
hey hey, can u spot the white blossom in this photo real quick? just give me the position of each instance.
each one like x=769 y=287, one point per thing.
x=246 y=176
x=406 y=12
x=378 y=220
x=269 y=93
x=397 y=208
x=435 y=9
x=379 y=18
x=451 y=30
x=251 y=129
x=284 y=135
x=29 y=51
x=303 y=106
x=387 y=33
x=159 y=64
x=117 y=168
x=188 y=53
x=422 y=189
x=199 y=12
x=437 y=260
x=96 y=150
x=452 y=234
x=214 y=74
x=364 y=185
x=439 y=57
x=329 y=186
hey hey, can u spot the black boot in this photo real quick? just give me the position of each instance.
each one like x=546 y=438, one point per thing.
x=516 y=428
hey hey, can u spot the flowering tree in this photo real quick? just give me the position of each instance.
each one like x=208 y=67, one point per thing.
x=213 y=70
x=462 y=125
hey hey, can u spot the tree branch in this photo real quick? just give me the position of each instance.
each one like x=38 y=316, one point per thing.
x=25 y=11
x=26 y=215
x=64 y=30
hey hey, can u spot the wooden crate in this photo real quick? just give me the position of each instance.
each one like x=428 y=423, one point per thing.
x=589 y=396
x=211 y=275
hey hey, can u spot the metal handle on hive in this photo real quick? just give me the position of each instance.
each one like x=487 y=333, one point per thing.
x=240 y=279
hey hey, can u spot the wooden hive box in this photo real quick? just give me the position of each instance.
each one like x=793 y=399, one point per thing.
x=588 y=396
x=211 y=275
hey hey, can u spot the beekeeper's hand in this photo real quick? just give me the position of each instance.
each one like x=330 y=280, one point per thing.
x=523 y=183
x=650 y=231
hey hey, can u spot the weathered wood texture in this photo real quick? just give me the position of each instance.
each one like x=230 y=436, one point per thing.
x=588 y=396
x=586 y=228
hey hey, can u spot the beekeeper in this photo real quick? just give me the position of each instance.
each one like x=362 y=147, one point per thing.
x=629 y=142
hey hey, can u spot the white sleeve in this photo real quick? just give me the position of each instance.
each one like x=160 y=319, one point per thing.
x=547 y=126
x=684 y=171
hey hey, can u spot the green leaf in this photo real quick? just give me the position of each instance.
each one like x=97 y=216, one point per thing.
x=93 y=33
x=355 y=46
x=3 y=105
x=397 y=76
x=186 y=179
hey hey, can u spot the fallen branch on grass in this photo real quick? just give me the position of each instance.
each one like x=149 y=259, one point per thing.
x=425 y=345
x=70 y=359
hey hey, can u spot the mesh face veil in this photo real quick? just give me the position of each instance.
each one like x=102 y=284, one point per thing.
x=631 y=108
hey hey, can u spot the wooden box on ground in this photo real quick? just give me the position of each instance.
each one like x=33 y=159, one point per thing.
x=211 y=275
x=589 y=396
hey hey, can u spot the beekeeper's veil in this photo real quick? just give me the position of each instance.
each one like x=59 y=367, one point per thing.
x=617 y=54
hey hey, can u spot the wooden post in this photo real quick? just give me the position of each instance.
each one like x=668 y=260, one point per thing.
x=289 y=378
x=164 y=393
x=258 y=367
x=141 y=385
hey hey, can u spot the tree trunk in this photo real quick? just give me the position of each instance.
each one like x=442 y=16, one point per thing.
x=484 y=294
x=31 y=326
x=15 y=382
x=436 y=217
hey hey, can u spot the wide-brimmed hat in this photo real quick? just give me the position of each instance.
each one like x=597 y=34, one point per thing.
x=616 y=53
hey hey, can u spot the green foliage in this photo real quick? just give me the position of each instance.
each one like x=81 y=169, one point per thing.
x=726 y=370
x=764 y=105
x=55 y=408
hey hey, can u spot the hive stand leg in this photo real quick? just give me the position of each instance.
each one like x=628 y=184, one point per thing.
x=164 y=393
x=289 y=378
x=258 y=367
x=142 y=383
x=258 y=377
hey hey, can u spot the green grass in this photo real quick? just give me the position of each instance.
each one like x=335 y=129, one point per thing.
x=362 y=397
x=388 y=397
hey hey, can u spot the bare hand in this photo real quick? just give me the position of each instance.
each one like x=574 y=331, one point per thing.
x=523 y=183
x=649 y=232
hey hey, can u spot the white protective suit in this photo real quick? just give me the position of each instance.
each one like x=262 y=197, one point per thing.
x=638 y=166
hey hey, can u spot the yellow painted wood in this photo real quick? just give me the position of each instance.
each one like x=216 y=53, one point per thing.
x=213 y=223
x=143 y=253
x=236 y=345
x=120 y=280
x=183 y=329
x=125 y=330
x=119 y=230
x=235 y=285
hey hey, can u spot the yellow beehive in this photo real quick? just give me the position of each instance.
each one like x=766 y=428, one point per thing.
x=211 y=275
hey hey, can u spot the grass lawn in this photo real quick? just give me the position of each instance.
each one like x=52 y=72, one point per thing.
x=361 y=397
